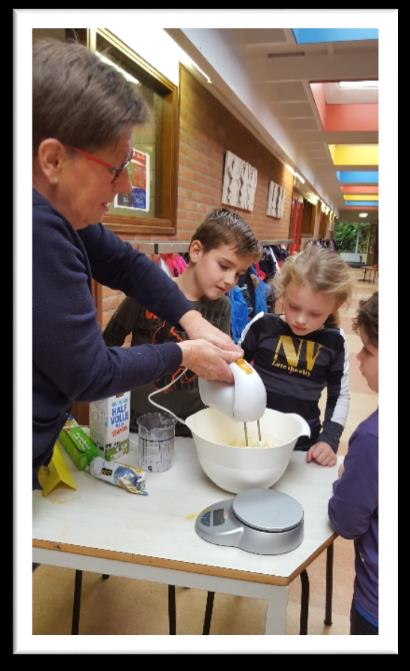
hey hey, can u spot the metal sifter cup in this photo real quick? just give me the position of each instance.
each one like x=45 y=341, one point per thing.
x=156 y=433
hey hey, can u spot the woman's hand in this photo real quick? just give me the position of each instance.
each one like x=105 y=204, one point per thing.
x=195 y=326
x=322 y=453
x=207 y=360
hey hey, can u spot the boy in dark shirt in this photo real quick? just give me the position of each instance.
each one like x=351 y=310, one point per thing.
x=221 y=248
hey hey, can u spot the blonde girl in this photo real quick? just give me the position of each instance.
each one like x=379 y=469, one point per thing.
x=302 y=351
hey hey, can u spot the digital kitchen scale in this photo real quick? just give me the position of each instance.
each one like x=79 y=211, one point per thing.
x=262 y=521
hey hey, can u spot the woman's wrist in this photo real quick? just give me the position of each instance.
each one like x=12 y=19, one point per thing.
x=191 y=320
x=186 y=347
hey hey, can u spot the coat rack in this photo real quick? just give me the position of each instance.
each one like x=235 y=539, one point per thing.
x=269 y=243
x=182 y=246
x=165 y=247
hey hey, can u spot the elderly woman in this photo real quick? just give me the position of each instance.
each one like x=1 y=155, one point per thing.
x=84 y=112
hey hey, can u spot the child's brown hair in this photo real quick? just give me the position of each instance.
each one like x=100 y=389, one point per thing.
x=368 y=318
x=224 y=227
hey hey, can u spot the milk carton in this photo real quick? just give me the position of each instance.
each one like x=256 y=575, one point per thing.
x=109 y=425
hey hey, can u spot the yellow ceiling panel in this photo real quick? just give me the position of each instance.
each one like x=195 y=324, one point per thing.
x=365 y=196
x=354 y=154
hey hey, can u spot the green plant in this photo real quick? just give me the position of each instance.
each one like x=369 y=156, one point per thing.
x=345 y=236
x=363 y=237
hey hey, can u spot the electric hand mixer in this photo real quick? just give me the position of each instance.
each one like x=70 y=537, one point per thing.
x=244 y=401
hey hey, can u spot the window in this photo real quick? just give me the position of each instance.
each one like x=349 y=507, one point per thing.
x=156 y=142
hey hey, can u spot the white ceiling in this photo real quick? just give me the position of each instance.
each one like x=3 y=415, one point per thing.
x=338 y=96
x=263 y=77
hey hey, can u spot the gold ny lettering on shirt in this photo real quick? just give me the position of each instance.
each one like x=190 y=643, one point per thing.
x=286 y=344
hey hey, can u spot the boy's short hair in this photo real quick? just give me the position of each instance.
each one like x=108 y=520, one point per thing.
x=224 y=227
x=368 y=318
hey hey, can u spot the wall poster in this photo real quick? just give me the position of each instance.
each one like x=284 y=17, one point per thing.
x=138 y=197
x=239 y=186
x=276 y=200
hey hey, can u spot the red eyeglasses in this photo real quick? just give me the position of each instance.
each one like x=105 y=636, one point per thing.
x=113 y=170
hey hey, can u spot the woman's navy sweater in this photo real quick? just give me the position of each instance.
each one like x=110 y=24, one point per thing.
x=71 y=361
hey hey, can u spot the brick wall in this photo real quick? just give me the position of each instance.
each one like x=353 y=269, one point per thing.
x=206 y=131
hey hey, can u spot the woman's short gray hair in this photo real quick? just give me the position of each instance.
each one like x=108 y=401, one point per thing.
x=78 y=99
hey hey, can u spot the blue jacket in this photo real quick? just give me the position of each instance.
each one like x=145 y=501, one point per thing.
x=70 y=358
x=354 y=513
x=239 y=312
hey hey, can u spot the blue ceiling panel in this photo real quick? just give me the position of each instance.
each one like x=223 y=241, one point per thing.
x=361 y=203
x=317 y=35
x=358 y=176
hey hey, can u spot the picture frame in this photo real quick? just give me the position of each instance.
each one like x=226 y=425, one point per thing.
x=139 y=173
x=239 y=185
x=151 y=208
x=276 y=200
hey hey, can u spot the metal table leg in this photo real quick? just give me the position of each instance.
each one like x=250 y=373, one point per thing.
x=304 y=605
x=75 y=625
x=172 y=615
x=208 y=613
x=329 y=584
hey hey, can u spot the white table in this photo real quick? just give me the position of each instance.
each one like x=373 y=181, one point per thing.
x=104 y=529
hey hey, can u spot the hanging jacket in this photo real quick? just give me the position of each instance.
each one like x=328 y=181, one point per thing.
x=268 y=263
x=239 y=312
x=260 y=298
x=175 y=263
x=258 y=293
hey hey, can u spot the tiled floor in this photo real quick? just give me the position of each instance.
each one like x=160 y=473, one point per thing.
x=123 y=606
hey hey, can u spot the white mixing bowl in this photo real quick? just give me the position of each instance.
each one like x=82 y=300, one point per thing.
x=236 y=469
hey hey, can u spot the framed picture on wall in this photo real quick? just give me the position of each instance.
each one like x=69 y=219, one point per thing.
x=139 y=174
x=150 y=207
x=276 y=200
x=239 y=186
